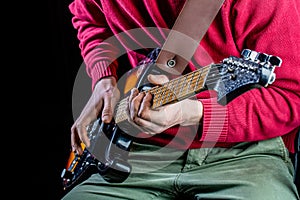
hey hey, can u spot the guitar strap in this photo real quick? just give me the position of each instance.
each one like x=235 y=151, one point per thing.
x=186 y=34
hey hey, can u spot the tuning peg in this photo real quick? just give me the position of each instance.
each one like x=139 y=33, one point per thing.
x=250 y=55
x=263 y=57
x=275 y=61
x=272 y=60
x=246 y=53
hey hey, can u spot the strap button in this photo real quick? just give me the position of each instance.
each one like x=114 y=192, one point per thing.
x=171 y=63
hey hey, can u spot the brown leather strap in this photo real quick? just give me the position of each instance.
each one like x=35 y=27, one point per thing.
x=186 y=34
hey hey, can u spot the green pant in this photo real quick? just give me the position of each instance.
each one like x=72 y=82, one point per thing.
x=259 y=171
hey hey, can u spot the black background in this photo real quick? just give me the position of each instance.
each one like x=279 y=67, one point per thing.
x=54 y=59
x=64 y=63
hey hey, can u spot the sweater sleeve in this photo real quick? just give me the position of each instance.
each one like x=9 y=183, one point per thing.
x=265 y=112
x=97 y=47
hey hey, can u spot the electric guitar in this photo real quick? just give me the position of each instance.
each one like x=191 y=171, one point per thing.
x=110 y=143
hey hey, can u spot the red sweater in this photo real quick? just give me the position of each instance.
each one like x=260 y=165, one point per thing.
x=272 y=28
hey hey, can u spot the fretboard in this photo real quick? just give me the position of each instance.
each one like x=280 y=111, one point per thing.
x=175 y=90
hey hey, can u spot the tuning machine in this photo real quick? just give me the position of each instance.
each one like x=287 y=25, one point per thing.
x=263 y=58
x=268 y=63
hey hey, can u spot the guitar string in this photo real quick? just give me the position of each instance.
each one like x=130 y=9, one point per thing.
x=182 y=80
x=184 y=87
x=156 y=90
x=165 y=88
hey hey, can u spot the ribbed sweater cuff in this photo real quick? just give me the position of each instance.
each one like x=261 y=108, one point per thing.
x=215 y=121
x=103 y=69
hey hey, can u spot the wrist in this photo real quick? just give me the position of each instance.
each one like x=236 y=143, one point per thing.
x=192 y=112
x=106 y=82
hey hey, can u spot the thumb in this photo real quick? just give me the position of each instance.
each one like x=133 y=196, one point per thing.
x=107 y=109
x=157 y=79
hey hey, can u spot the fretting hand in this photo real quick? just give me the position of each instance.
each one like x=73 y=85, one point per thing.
x=154 y=121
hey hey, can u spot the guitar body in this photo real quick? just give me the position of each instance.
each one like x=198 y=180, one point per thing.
x=110 y=143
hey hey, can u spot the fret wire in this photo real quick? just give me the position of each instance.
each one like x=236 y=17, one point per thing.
x=166 y=88
x=187 y=90
x=181 y=88
x=203 y=72
x=169 y=93
x=194 y=81
x=162 y=96
x=121 y=103
x=191 y=80
x=178 y=79
x=203 y=69
x=172 y=90
x=170 y=96
x=121 y=110
x=159 y=92
x=157 y=97
x=181 y=83
x=154 y=92
x=199 y=76
x=177 y=88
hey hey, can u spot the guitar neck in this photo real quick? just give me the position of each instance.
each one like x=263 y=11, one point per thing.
x=179 y=88
x=175 y=90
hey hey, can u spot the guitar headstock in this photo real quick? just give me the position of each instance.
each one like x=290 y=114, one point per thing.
x=238 y=75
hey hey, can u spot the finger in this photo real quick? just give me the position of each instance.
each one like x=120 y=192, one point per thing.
x=148 y=126
x=133 y=93
x=78 y=138
x=144 y=111
x=135 y=105
x=115 y=98
x=135 y=129
x=107 y=111
x=142 y=127
x=82 y=132
x=75 y=141
x=157 y=79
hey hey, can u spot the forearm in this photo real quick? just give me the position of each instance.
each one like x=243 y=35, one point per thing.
x=98 y=49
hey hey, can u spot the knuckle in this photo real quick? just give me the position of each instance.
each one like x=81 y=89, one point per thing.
x=106 y=111
x=143 y=114
x=135 y=119
x=164 y=122
x=134 y=100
